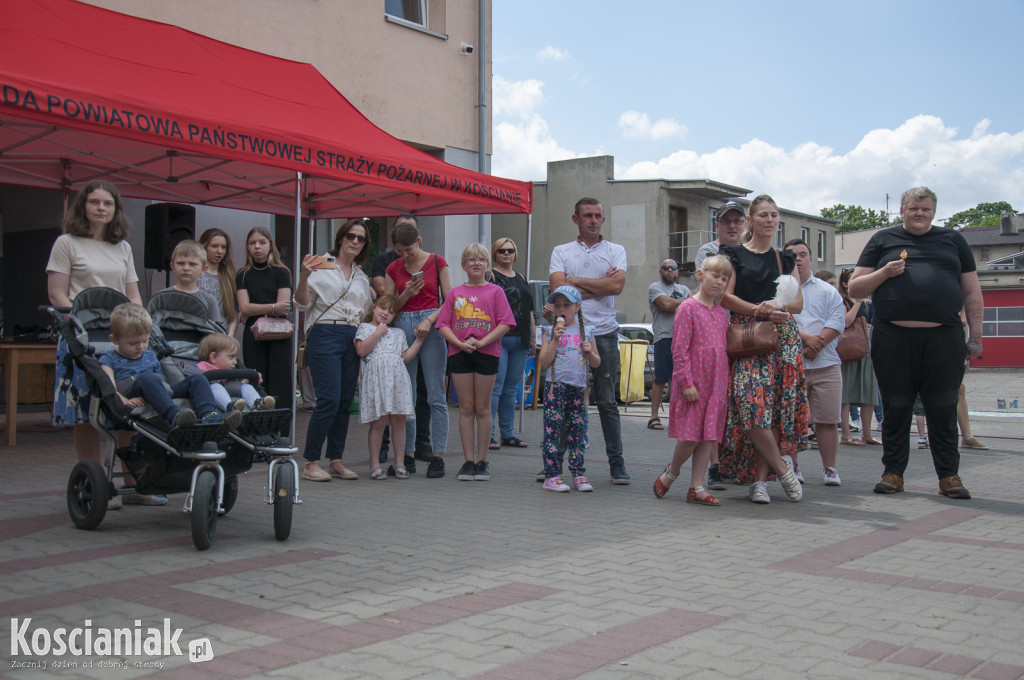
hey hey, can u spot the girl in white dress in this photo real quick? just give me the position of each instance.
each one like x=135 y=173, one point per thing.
x=385 y=393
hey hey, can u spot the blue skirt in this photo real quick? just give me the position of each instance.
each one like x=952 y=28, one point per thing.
x=70 y=391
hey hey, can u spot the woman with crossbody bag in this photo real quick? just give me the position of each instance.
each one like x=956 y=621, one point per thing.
x=420 y=282
x=335 y=299
x=767 y=416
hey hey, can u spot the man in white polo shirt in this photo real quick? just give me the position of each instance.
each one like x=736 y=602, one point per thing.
x=821 y=322
x=597 y=268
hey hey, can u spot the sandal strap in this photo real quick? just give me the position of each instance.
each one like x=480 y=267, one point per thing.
x=698 y=489
x=670 y=475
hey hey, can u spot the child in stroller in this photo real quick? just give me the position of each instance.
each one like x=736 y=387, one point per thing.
x=220 y=351
x=202 y=459
x=136 y=373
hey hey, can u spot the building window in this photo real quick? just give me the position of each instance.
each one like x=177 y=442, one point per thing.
x=821 y=246
x=712 y=218
x=1003 y=322
x=682 y=243
x=413 y=11
x=805 y=235
x=780 y=235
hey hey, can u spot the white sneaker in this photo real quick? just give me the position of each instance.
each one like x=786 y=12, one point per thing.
x=759 y=493
x=555 y=484
x=922 y=442
x=855 y=426
x=789 y=483
x=831 y=477
x=799 y=475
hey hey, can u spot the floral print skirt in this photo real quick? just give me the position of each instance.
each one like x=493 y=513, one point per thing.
x=770 y=392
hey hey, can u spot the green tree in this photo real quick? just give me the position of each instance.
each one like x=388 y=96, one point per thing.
x=985 y=215
x=854 y=217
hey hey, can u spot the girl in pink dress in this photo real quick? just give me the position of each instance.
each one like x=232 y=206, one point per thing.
x=700 y=380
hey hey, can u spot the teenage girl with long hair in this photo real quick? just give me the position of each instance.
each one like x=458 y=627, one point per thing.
x=264 y=288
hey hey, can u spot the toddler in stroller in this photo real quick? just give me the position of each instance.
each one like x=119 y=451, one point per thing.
x=202 y=458
x=220 y=351
x=136 y=373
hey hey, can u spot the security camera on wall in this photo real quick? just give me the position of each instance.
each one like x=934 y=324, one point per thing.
x=467 y=48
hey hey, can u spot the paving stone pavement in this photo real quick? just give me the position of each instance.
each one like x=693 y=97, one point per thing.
x=437 y=578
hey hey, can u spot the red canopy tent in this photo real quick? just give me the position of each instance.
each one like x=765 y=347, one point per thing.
x=171 y=115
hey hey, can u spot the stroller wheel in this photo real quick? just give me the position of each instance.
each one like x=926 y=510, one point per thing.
x=88 y=493
x=284 y=494
x=230 y=495
x=204 y=510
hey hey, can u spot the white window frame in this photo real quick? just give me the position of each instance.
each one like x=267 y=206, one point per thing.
x=822 y=246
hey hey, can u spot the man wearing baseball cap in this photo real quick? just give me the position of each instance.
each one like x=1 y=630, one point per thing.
x=731 y=220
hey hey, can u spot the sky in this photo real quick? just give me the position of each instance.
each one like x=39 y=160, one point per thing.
x=815 y=103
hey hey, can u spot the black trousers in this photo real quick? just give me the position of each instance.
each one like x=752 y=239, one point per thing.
x=919 y=361
x=273 y=359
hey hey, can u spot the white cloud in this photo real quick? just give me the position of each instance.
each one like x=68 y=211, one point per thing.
x=637 y=125
x=923 y=150
x=982 y=167
x=523 y=145
x=518 y=99
x=522 y=150
x=550 y=53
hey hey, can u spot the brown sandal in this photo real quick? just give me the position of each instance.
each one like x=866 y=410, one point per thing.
x=655 y=424
x=660 y=488
x=691 y=496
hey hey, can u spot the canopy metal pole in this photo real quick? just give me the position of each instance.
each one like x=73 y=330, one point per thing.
x=294 y=313
x=481 y=112
x=529 y=245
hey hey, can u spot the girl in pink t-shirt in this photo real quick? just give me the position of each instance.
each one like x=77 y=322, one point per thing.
x=700 y=381
x=473 y=318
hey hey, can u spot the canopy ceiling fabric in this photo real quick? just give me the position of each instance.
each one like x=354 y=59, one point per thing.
x=171 y=115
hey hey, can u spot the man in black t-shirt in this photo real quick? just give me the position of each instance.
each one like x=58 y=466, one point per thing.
x=918 y=277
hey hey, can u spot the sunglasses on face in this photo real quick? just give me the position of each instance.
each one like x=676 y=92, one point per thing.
x=670 y=269
x=358 y=238
x=506 y=251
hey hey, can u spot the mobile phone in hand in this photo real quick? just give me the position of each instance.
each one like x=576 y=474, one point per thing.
x=323 y=262
x=418 y=276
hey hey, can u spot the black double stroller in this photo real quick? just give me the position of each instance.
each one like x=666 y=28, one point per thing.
x=201 y=459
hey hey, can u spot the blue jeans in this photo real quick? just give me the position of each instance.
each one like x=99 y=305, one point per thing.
x=604 y=395
x=510 y=373
x=152 y=388
x=334 y=368
x=433 y=356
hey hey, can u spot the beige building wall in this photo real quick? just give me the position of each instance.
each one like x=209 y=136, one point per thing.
x=417 y=85
x=644 y=216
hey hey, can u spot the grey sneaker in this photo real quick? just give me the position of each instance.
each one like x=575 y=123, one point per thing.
x=467 y=472
x=922 y=443
x=759 y=493
x=619 y=474
x=186 y=416
x=715 y=480
x=483 y=471
x=789 y=483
